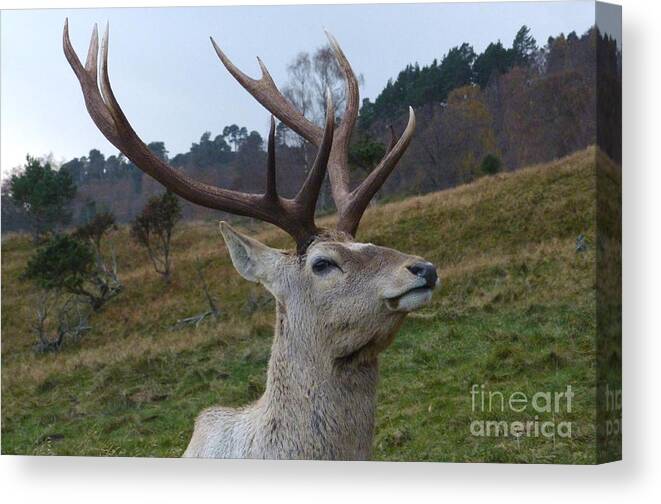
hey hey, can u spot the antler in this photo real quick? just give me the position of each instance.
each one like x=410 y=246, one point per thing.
x=295 y=216
x=351 y=204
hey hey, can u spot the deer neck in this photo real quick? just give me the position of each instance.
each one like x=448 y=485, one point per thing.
x=315 y=407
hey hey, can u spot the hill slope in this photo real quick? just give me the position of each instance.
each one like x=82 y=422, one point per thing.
x=516 y=313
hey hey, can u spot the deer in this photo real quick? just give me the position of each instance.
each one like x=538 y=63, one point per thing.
x=339 y=302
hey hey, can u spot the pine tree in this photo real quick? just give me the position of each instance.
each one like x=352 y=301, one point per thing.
x=523 y=47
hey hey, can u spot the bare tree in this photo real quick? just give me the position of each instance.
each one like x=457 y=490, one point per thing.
x=106 y=279
x=69 y=315
x=298 y=90
x=213 y=310
x=311 y=77
x=328 y=76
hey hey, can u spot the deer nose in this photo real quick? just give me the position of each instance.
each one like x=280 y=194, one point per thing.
x=425 y=270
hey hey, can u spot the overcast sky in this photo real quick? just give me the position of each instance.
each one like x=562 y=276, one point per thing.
x=172 y=87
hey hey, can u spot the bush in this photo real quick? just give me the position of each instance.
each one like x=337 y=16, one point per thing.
x=68 y=265
x=63 y=264
x=60 y=270
x=105 y=278
x=96 y=228
x=153 y=230
x=490 y=165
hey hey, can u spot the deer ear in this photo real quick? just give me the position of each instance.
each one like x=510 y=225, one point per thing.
x=253 y=260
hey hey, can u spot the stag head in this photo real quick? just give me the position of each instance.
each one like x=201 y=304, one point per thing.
x=349 y=298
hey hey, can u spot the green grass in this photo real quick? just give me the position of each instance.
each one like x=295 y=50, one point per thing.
x=516 y=313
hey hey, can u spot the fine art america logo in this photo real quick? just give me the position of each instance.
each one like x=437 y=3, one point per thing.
x=531 y=413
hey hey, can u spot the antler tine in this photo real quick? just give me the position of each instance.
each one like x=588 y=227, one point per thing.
x=271 y=190
x=124 y=128
x=351 y=205
x=309 y=192
x=87 y=76
x=360 y=197
x=92 y=54
x=352 y=91
x=266 y=92
x=338 y=169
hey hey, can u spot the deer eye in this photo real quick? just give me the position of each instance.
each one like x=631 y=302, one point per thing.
x=322 y=265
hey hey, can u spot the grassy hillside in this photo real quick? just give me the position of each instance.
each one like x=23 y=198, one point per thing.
x=516 y=312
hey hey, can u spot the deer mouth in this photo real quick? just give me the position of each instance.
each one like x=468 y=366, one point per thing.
x=410 y=300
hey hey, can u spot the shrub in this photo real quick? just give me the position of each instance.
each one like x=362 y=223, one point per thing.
x=96 y=228
x=68 y=265
x=63 y=263
x=105 y=278
x=57 y=320
x=153 y=230
x=60 y=270
x=490 y=165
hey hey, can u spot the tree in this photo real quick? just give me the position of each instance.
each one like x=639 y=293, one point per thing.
x=368 y=113
x=327 y=77
x=209 y=152
x=235 y=134
x=310 y=77
x=456 y=139
x=14 y=217
x=299 y=90
x=153 y=230
x=490 y=164
x=418 y=86
x=366 y=153
x=456 y=68
x=76 y=170
x=523 y=47
x=115 y=166
x=159 y=149
x=135 y=174
x=495 y=60
x=44 y=194
x=96 y=164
